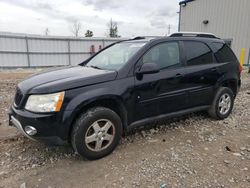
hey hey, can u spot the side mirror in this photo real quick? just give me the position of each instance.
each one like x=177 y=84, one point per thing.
x=148 y=68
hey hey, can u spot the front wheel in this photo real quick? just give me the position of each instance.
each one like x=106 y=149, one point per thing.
x=222 y=104
x=96 y=133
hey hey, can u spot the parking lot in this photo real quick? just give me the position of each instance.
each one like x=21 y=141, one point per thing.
x=191 y=151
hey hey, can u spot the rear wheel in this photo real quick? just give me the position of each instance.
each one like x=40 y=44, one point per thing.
x=222 y=104
x=96 y=133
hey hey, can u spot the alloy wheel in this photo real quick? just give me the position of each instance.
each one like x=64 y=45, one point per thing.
x=100 y=135
x=224 y=104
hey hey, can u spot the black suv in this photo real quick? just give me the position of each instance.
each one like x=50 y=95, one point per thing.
x=126 y=85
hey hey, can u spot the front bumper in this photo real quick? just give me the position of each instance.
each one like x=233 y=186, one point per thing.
x=50 y=129
x=17 y=124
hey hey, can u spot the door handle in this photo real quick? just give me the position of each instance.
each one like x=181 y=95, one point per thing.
x=178 y=75
x=153 y=84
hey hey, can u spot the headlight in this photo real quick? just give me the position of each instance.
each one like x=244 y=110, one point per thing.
x=45 y=103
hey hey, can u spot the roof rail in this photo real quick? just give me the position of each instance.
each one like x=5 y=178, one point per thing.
x=138 y=38
x=193 y=34
x=145 y=37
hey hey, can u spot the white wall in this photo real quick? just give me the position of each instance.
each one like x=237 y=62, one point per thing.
x=38 y=51
x=228 y=19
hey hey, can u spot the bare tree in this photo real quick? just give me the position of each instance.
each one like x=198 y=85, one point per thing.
x=76 y=28
x=113 y=29
x=46 y=31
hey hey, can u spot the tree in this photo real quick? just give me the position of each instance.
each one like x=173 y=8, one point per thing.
x=113 y=29
x=89 y=33
x=46 y=31
x=76 y=28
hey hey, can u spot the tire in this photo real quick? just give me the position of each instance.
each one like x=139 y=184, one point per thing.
x=215 y=110
x=91 y=137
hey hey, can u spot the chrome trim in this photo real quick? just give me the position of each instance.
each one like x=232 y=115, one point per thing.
x=18 y=125
x=30 y=130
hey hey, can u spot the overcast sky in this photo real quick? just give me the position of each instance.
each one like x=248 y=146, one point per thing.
x=134 y=17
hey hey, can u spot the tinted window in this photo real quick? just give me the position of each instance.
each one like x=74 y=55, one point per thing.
x=197 y=53
x=165 y=55
x=223 y=53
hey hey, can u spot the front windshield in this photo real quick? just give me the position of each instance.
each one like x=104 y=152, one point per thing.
x=114 y=57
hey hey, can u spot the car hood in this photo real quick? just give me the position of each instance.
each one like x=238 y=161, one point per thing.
x=65 y=78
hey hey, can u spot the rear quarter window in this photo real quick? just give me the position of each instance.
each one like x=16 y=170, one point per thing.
x=223 y=53
x=198 y=53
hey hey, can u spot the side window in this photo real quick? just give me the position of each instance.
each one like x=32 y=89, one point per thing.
x=223 y=53
x=165 y=55
x=197 y=53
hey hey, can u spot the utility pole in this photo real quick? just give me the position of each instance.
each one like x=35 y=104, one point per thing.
x=46 y=31
x=169 y=29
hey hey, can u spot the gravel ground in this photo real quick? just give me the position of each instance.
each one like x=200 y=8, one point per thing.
x=192 y=151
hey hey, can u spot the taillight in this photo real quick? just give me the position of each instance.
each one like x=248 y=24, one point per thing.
x=240 y=68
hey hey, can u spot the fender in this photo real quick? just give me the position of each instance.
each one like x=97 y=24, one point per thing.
x=77 y=104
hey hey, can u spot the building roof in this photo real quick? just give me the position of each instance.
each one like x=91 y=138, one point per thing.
x=185 y=1
x=35 y=36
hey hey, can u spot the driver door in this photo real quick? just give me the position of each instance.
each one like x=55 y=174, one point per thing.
x=162 y=92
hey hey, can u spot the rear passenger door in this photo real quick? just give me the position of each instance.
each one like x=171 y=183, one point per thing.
x=202 y=73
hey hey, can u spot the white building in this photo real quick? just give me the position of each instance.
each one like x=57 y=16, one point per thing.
x=227 y=19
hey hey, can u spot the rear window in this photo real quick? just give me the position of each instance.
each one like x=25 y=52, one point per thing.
x=197 y=53
x=223 y=53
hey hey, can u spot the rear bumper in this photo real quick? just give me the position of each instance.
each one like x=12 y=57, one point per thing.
x=49 y=127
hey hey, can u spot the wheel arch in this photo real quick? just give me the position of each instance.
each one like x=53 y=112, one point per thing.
x=232 y=84
x=112 y=102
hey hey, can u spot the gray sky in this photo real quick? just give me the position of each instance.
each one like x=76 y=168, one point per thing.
x=134 y=17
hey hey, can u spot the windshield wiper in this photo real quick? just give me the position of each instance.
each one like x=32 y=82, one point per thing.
x=95 y=67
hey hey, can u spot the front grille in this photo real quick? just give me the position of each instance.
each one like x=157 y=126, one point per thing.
x=18 y=97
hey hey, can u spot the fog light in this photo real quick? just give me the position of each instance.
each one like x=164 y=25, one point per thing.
x=30 y=130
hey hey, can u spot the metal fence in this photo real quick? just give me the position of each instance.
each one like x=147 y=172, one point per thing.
x=44 y=51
